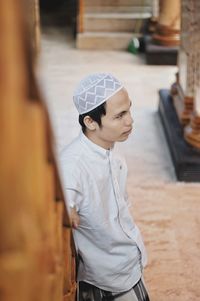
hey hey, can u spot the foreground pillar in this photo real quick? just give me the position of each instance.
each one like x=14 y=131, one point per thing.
x=36 y=258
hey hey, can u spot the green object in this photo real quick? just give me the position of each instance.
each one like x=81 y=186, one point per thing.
x=134 y=45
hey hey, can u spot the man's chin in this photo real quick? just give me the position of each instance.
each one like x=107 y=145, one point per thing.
x=123 y=138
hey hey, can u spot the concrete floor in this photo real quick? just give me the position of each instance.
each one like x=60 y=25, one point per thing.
x=166 y=211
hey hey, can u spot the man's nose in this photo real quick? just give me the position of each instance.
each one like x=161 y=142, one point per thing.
x=129 y=120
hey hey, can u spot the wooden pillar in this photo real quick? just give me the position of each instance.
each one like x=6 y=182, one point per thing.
x=183 y=90
x=32 y=199
x=192 y=131
x=168 y=27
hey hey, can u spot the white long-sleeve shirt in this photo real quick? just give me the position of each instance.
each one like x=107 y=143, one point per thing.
x=107 y=239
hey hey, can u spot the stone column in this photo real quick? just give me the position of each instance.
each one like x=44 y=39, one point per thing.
x=192 y=131
x=168 y=27
x=183 y=89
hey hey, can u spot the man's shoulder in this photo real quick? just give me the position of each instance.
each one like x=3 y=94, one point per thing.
x=70 y=161
x=72 y=154
x=73 y=149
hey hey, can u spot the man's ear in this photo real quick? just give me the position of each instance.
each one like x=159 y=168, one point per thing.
x=90 y=123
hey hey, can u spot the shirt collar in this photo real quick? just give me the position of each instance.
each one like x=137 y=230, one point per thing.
x=94 y=147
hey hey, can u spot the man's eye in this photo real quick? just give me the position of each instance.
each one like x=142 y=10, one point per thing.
x=119 y=116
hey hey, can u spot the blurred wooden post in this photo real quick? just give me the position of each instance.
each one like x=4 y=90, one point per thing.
x=168 y=28
x=32 y=200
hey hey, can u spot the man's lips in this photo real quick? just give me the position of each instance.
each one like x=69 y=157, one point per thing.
x=127 y=132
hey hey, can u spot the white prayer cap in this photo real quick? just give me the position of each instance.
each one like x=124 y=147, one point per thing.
x=94 y=90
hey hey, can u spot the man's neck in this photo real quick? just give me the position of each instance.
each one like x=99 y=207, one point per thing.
x=100 y=142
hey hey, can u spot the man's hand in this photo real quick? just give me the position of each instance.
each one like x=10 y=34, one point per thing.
x=75 y=219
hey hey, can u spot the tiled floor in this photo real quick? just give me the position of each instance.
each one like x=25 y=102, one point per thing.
x=166 y=211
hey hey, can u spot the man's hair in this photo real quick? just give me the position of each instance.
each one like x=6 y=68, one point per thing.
x=95 y=114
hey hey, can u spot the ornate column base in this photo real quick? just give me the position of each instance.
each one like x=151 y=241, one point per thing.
x=166 y=36
x=184 y=105
x=185 y=157
x=192 y=132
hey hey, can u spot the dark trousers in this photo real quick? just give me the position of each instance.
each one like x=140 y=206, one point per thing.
x=88 y=292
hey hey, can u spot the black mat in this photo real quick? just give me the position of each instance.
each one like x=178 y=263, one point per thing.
x=186 y=159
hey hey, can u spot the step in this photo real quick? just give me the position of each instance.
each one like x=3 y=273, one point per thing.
x=114 y=22
x=95 y=3
x=118 y=9
x=102 y=40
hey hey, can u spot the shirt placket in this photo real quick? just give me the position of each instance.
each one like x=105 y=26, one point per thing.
x=117 y=193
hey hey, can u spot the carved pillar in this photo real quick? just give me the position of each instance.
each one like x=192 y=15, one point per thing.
x=168 y=28
x=183 y=89
x=192 y=131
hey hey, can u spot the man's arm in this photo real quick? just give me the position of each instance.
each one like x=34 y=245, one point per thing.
x=74 y=199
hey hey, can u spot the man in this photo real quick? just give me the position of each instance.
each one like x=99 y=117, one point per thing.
x=108 y=242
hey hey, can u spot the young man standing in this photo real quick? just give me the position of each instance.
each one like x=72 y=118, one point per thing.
x=108 y=242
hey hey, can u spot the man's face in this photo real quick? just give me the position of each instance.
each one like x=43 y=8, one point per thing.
x=117 y=123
